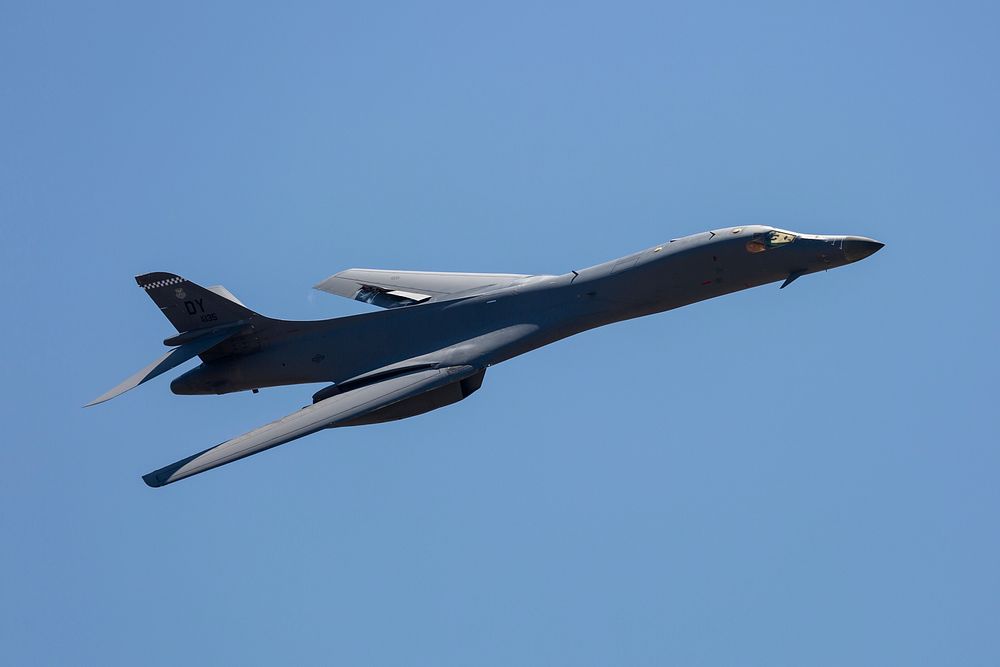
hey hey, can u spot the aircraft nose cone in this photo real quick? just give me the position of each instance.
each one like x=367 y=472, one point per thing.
x=857 y=248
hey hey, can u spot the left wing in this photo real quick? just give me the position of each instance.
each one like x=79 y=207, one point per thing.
x=340 y=409
x=391 y=289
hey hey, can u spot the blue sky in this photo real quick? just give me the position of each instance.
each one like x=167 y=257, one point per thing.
x=771 y=478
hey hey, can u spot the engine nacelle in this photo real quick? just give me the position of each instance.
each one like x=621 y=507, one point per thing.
x=418 y=405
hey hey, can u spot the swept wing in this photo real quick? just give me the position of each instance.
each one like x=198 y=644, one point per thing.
x=391 y=289
x=339 y=410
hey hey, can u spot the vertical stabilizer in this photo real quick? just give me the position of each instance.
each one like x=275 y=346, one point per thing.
x=189 y=306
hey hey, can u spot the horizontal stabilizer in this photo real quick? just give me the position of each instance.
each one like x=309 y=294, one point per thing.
x=171 y=359
x=225 y=294
x=336 y=410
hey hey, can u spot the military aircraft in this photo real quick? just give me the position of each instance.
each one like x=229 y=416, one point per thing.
x=439 y=332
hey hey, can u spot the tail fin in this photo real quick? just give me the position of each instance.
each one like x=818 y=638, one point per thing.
x=190 y=307
x=203 y=316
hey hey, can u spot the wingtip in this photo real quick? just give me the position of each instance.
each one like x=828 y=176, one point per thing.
x=152 y=480
x=168 y=474
x=323 y=285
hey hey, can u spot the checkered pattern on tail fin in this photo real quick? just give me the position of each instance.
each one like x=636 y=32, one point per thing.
x=189 y=306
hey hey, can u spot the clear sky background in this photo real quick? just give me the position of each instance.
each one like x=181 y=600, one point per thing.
x=803 y=477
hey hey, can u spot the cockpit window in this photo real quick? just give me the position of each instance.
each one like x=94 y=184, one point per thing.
x=768 y=240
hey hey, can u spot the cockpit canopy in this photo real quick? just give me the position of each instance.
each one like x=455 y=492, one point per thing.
x=775 y=238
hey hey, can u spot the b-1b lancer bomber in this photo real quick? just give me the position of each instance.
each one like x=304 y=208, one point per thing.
x=439 y=332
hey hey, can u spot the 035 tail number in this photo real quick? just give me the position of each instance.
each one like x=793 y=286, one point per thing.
x=195 y=306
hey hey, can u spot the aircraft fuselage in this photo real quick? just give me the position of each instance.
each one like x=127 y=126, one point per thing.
x=495 y=325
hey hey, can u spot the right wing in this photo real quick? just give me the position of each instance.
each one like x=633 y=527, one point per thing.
x=391 y=289
x=337 y=410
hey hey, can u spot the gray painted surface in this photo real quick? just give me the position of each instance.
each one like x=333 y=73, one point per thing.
x=441 y=329
x=335 y=411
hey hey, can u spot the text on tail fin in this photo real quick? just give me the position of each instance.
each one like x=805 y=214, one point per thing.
x=190 y=306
